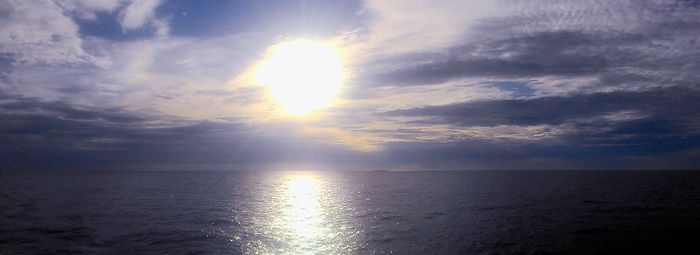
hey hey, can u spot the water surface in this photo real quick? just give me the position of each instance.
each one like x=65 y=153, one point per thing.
x=348 y=212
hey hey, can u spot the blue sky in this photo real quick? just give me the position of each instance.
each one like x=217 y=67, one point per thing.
x=121 y=84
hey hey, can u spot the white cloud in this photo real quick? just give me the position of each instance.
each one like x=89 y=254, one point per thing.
x=44 y=32
x=37 y=32
x=138 y=13
x=415 y=25
x=186 y=77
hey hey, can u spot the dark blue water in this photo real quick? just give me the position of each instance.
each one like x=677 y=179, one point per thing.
x=349 y=212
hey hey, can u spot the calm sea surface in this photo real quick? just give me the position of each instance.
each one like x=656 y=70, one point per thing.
x=499 y=212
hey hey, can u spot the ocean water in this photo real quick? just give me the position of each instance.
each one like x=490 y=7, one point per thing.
x=498 y=212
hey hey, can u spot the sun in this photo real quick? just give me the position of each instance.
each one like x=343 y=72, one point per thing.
x=302 y=75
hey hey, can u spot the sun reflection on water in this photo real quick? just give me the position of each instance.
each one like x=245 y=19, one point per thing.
x=304 y=213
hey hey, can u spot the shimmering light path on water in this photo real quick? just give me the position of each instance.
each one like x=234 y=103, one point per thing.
x=303 y=213
x=306 y=215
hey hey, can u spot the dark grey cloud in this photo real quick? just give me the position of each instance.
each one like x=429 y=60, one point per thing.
x=5 y=67
x=661 y=133
x=527 y=56
x=559 y=53
x=639 y=144
x=652 y=149
x=675 y=104
x=37 y=134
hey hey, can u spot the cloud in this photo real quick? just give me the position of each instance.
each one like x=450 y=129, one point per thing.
x=678 y=104
x=87 y=9
x=615 y=59
x=451 y=23
x=479 y=84
x=394 y=27
x=165 y=75
x=37 y=32
x=542 y=54
x=625 y=44
x=138 y=13
x=39 y=134
x=661 y=151
x=633 y=129
x=45 y=32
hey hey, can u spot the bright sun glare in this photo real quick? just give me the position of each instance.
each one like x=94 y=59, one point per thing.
x=302 y=75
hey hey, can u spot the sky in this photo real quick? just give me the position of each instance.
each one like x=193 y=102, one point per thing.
x=430 y=85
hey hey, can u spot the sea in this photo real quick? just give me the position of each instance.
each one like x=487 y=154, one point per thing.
x=361 y=212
